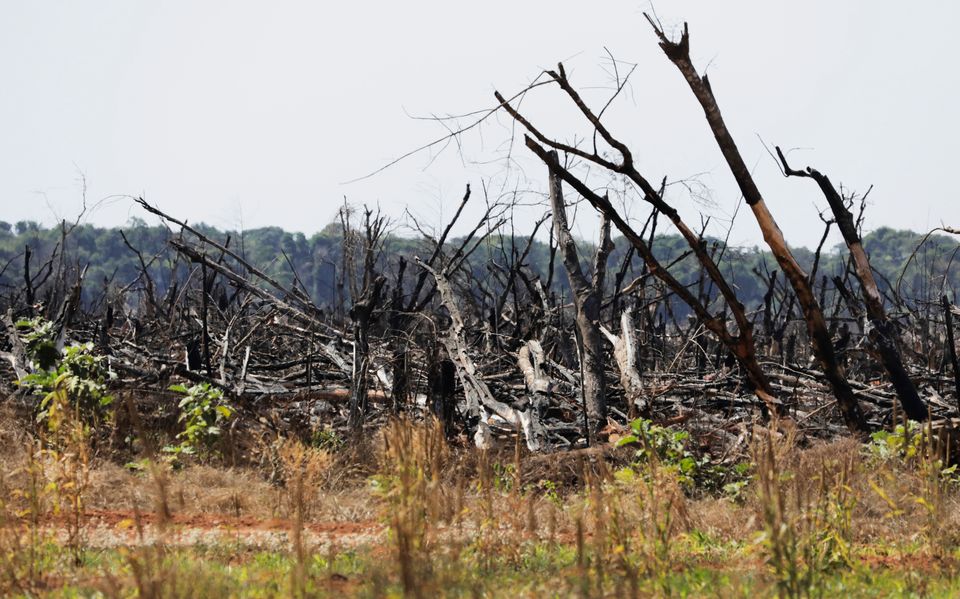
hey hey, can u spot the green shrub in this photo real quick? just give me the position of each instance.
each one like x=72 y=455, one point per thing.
x=670 y=447
x=77 y=376
x=203 y=412
x=39 y=342
x=905 y=441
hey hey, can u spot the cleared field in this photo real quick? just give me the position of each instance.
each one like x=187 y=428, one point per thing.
x=421 y=519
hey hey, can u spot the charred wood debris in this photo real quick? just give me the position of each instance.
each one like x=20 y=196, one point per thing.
x=516 y=354
x=495 y=360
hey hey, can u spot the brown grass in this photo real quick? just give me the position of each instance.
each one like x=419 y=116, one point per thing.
x=440 y=502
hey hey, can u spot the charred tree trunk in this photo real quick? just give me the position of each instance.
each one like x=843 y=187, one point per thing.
x=204 y=310
x=948 y=317
x=587 y=299
x=360 y=314
x=27 y=280
x=398 y=343
x=362 y=311
x=882 y=334
x=479 y=398
x=679 y=55
x=442 y=384
x=742 y=346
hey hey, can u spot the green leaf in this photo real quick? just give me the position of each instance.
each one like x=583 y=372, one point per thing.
x=625 y=475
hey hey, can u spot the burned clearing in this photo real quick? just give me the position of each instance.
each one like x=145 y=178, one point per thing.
x=492 y=413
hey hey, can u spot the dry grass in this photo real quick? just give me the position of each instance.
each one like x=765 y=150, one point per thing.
x=454 y=514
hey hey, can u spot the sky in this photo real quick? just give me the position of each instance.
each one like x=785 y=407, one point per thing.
x=246 y=114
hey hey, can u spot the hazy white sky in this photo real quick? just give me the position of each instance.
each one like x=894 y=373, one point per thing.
x=255 y=113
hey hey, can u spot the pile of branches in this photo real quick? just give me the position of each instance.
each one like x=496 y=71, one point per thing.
x=466 y=330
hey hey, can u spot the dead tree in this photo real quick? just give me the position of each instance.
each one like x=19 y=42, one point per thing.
x=294 y=296
x=679 y=55
x=479 y=399
x=951 y=342
x=362 y=311
x=882 y=333
x=587 y=299
x=531 y=360
x=741 y=345
x=625 y=353
x=398 y=343
x=27 y=280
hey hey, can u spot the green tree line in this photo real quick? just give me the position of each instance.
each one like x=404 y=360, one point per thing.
x=922 y=265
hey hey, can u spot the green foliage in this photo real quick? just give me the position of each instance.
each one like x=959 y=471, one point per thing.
x=905 y=441
x=77 y=378
x=39 y=342
x=670 y=447
x=203 y=413
x=504 y=477
x=807 y=536
x=666 y=444
x=326 y=438
x=738 y=480
x=107 y=257
x=910 y=443
x=550 y=491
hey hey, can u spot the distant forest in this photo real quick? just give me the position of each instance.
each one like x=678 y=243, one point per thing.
x=316 y=263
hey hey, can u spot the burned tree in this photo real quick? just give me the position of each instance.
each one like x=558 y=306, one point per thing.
x=625 y=354
x=480 y=401
x=679 y=55
x=587 y=300
x=882 y=333
x=742 y=345
x=952 y=345
x=361 y=312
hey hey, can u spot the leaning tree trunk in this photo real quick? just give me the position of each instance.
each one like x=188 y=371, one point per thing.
x=587 y=298
x=882 y=334
x=679 y=55
x=741 y=346
x=479 y=399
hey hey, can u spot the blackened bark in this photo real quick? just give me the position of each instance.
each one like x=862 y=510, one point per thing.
x=742 y=345
x=27 y=280
x=361 y=314
x=882 y=332
x=587 y=298
x=947 y=308
x=679 y=55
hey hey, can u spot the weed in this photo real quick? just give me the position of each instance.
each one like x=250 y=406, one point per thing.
x=327 y=439
x=304 y=468
x=914 y=452
x=807 y=531
x=410 y=484
x=695 y=473
x=203 y=413
x=78 y=376
x=904 y=442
